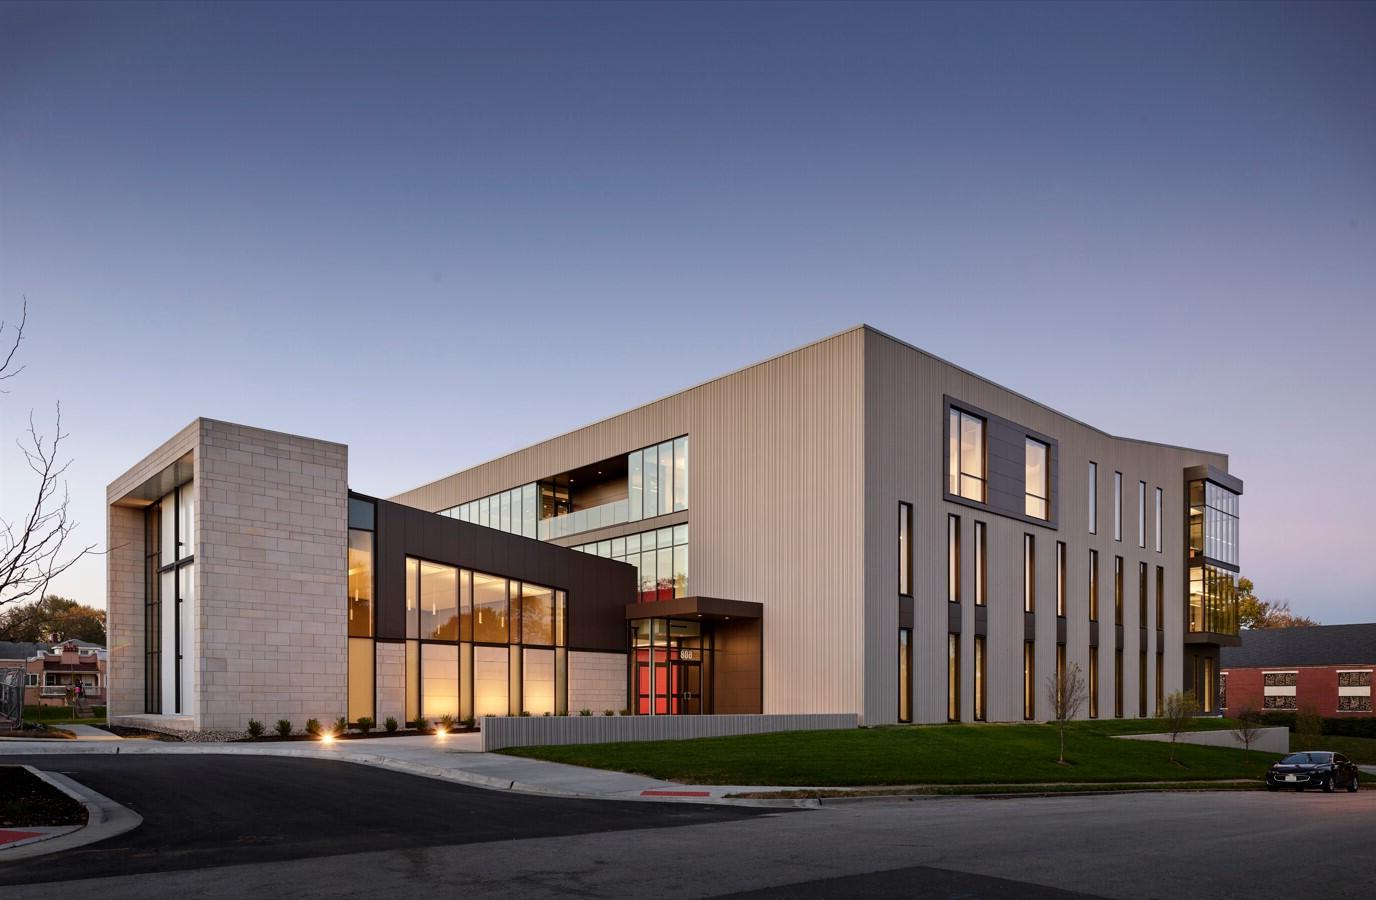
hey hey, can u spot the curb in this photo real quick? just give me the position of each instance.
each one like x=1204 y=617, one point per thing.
x=104 y=819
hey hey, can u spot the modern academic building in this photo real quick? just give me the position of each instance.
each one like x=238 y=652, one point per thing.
x=855 y=526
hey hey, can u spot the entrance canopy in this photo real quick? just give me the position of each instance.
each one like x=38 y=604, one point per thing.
x=707 y=608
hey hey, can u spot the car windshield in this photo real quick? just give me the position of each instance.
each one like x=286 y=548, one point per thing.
x=1306 y=759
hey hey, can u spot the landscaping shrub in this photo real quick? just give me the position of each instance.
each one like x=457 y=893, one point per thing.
x=365 y=724
x=284 y=727
x=390 y=725
x=255 y=728
x=585 y=712
x=448 y=722
x=341 y=725
x=421 y=725
x=313 y=727
x=469 y=722
x=608 y=712
x=1338 y=726
x=525 y=714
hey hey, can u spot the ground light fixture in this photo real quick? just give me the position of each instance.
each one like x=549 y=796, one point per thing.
x=326 y=737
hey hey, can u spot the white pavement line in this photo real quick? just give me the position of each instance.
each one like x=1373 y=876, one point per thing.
x=104 y=819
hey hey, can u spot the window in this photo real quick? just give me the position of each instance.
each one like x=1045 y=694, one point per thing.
x=1160 y=684
x=1142 y=684
x=1118 y=684
x=1141 y=514
x=967 y=455
x=981 y=566
x=905 y=549
x=1158 y=520
x=1117 y=506
x=1222 y=690
x=1118 y=590
x=537 y=615
x=1094 y=585
x=1213 y=600
x=1060 y=677
x=1029 y=573
x=1160 y=597
x=31 y=679
x=953 y=677
x=489 y=609
x=1037 y=478
x=1213 y=522
x=1029 y=680
x=1060 y=578
x=1206 y=701
x=1093 y=498
x=979 y=678
x=1094 y=682
x=905 y=674
x=1141 y=595
x=660 y=558
x=953 y=559
x=169 y=595
x=439 y=602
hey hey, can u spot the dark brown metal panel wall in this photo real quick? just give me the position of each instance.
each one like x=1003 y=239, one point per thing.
x=598 y=589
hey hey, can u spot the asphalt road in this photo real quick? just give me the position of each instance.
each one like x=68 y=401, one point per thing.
x=222 y=827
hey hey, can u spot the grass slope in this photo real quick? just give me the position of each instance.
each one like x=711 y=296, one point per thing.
x=922 y=754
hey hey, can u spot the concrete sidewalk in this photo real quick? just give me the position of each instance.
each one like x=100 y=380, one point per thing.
x=455 y=757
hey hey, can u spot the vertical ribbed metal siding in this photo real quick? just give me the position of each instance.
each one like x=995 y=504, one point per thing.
x=776 y=500
x=904 y=436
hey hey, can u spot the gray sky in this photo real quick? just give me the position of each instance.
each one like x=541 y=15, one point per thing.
x=288 y=215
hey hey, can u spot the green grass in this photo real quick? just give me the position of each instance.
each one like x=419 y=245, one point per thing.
x=54 y=715
x=922 y=754
x=1360 y=750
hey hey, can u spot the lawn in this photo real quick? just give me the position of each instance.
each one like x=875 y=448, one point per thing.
x=56 y=715
x=920 y=754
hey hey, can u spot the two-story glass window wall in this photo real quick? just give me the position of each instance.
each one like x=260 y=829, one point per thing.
x=483 y=645
x=362 y=587
x=1213 y=600
x=660 y=558
x=169 y=597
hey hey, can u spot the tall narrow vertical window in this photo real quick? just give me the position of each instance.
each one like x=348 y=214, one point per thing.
x=1037 y=479
x=905 y=675
x=1158 y=520
x=1142 y=684
x=680 y=473
x=1117 y=590
x=953 y=558
x=1060 y=674
x=979 y=678
x=1141 y=514
x=651 y=477
x=1029 y=680
x=360 y=583
x=1141 y=595
x=953 y=677
x=635 y=485
x=1029 y=573
x=981 y=565
x=1093 y=498
x=1060 y=578
x=1118 y=683
x=1094 y=585
x=1160 y=683
x=666 y=478
x=1117 y=506
x=967 y=455
x=1160 y=596
x=1094 y=682
x=905 y=549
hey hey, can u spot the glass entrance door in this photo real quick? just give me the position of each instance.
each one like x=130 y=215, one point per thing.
x=670 y=668
x=687 y=688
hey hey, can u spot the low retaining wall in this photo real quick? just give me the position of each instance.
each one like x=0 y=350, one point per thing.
x=1268 y=740
x=500 y=732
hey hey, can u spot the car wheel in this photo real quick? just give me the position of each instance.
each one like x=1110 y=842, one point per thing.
x=1271 y=787
x=1352 y=785
x=1327 y=785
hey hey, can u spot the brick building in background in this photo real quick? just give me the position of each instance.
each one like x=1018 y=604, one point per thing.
x=1326 y=668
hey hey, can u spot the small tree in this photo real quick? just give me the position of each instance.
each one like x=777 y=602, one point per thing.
x=255 y=728
x=284 y=727
x=365 y=724
x=1180 y=709
x=1248 y=727
x=1308 y=728
x=1067 y=693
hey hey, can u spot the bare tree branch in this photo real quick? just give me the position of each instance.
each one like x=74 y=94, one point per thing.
x=1067 y=693
x=31 y=549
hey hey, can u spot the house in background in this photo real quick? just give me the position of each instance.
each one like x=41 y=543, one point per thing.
x=1322 y=667
x=50 y=669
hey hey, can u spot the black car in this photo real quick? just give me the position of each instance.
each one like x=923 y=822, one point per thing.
x=1312 y=768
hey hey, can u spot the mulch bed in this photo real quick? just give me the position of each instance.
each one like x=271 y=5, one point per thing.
x=346 y=736
x=125 y=731
x=26 y=800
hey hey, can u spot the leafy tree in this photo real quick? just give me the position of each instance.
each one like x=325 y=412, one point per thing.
x=53 y=618
x=1248 y=727
x=1253 y=612
x=1067 y=694
x=1180 y=708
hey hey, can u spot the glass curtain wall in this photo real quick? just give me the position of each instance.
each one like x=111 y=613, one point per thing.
x=483 y=645
x=660 y=558
x=362 y=587
x=169 y=596
x=515 y=511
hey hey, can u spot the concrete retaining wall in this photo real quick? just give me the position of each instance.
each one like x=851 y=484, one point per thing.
x=1269 y=740
x=505 y=731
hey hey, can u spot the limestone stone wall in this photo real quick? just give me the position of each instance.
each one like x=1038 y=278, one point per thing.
x=271 y=553
x=597 y=681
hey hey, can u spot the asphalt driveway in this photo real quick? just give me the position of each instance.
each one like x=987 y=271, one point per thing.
x=202 y=811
